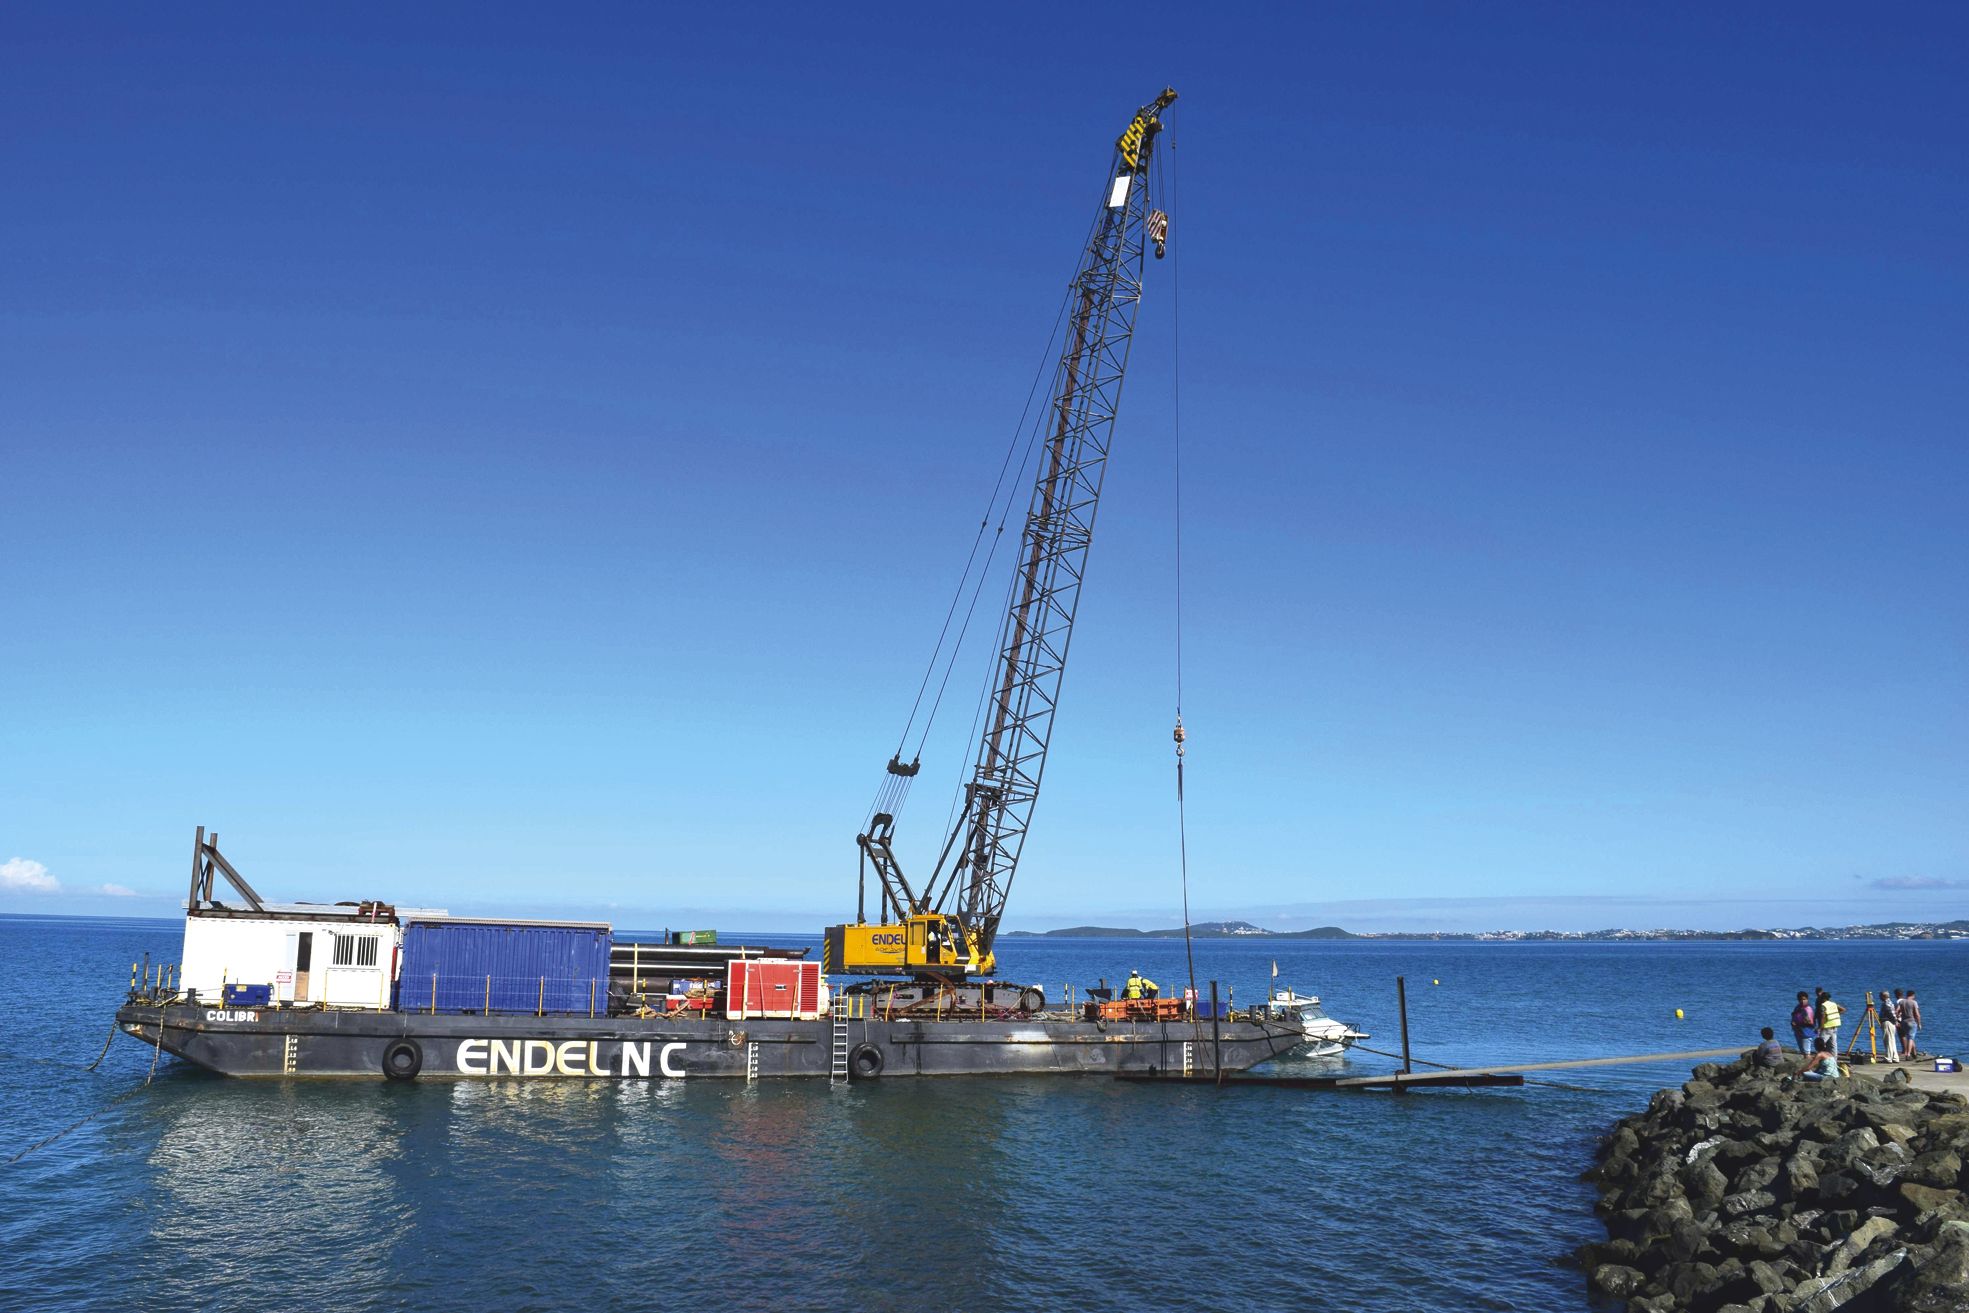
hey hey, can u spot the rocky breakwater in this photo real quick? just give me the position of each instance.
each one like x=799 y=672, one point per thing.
x=1750 y=1191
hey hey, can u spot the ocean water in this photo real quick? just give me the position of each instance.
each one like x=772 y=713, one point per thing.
x=961 y=1194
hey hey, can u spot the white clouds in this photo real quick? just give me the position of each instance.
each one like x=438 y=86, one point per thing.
x=18 y=874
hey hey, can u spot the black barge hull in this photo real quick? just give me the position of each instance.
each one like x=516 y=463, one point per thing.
x=296 y=1043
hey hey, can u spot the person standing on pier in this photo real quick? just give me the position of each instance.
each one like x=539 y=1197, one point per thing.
x=1890 y=1024
x=1910 y=1024
x=1831 y=1016
x=1805 y=1025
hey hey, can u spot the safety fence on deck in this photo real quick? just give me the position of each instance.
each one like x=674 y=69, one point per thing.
x=519 y=995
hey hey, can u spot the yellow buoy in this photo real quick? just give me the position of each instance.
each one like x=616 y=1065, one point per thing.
x=1435 y=982
x=1678 y=1014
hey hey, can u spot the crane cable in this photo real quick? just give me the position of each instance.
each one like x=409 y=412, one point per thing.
x=894 y=789
x=1040 y=421
x=1176 y=429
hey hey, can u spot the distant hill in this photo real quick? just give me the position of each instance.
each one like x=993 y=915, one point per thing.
x=1202 y=930
x=1956 y=930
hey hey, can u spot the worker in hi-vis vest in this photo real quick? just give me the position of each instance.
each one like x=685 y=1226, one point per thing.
x=1139 y=986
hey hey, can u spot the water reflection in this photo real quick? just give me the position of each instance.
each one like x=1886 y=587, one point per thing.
x=251 y=1177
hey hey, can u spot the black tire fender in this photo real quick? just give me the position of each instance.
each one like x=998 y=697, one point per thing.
x=865 y=1062
x=403 y=1059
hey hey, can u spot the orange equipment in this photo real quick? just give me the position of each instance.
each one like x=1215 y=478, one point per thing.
x=1142 y=1009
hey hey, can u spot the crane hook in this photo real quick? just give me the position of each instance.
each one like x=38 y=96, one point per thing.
x=1180 y=736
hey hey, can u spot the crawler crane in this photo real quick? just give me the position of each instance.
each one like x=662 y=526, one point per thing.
x=940 y=933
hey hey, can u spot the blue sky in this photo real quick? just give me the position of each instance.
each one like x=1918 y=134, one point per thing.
x=479 y=457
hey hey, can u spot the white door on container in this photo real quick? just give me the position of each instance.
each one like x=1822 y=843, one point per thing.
x=283 y=981
x=303 y=960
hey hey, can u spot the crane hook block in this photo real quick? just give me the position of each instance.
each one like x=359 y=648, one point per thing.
x=1158 y=231
x=1181 y=735
x=897 y=768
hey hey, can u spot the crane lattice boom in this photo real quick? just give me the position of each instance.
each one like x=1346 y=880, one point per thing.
x=973 y=875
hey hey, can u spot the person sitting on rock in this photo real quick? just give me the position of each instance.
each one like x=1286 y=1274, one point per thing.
x=1824 y=1064
x=1770 y=1053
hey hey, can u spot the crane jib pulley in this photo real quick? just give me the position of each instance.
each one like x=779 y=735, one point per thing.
x=948 y=927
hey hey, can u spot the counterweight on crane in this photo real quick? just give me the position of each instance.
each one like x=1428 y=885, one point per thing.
x=948 y=926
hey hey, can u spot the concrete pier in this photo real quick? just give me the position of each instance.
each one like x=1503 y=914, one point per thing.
x=1921 y=1072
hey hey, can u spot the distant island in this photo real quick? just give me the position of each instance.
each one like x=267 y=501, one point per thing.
x=1246 y=930
x=1201 y=930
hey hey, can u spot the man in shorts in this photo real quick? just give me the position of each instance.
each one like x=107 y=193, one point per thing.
x=1805 y=1025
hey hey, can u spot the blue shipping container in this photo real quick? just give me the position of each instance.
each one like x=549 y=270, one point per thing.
x=466 y=966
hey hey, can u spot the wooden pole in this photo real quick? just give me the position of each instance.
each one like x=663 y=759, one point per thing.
x=1216 y=1035
x=1401 y=1000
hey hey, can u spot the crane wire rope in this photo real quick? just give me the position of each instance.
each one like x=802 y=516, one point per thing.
x=894 y=789
x=998 y=537
x=1176 y=444
x=977 y=591
x=990 y=680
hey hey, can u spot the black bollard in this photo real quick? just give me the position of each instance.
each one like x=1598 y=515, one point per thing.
x=1216 y=1034
x=1401 y=1001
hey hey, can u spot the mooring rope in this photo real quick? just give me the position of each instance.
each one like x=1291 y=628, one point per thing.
x=132 y=1092
x=1450 y=1066
x=105 y=1053
x=157 y=1052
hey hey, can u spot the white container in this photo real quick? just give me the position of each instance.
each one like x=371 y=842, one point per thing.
x=313 y=957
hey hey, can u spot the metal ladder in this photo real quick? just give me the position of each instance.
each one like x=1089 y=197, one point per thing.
x=837 y=1072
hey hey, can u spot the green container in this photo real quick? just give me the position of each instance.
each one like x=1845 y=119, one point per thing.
x=694 y=936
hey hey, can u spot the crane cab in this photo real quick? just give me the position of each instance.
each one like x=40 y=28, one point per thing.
x=927 y=941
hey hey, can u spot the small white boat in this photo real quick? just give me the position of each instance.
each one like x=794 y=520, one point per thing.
x=1325 y=1037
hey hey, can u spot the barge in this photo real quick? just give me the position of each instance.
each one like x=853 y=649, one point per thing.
x=371 y=990
x=374 y=990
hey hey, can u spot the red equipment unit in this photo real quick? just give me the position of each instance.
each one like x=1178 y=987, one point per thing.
x=772 y=989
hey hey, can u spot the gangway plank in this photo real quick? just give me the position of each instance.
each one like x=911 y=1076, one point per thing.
x=1449 y=1077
